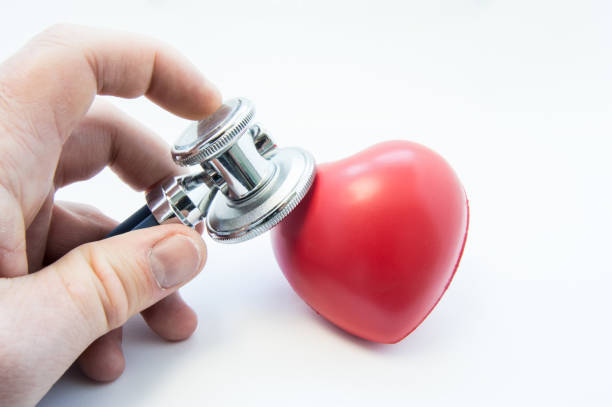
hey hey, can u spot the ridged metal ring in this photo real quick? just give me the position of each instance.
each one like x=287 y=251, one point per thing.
x=210 y=137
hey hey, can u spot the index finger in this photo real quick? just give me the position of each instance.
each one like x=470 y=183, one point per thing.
x=60 y=71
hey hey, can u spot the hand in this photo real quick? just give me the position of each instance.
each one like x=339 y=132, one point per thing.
x=52 y=134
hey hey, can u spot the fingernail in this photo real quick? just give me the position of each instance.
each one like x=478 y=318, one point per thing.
x=175 y=260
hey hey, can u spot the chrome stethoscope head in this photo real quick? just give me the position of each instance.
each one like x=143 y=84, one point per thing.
x=245 y=184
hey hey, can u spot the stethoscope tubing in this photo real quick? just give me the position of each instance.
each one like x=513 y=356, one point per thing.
x=142 y=218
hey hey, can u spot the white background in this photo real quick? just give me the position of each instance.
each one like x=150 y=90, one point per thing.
x=515 y=94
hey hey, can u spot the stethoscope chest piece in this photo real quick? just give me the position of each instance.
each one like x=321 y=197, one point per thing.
x=260 y=183
x=236 y=221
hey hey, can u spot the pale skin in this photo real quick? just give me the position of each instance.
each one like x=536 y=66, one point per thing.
x=65 y=291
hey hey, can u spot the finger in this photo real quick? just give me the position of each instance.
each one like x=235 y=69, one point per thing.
x=103 y=360
x=73 y=224
x=107 y=136
x=36 y=235
x=13 y=259
x=171 y=318
x=66 y=65
x=48 y=86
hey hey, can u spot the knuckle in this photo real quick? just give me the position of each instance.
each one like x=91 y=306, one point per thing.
x=6 y=103
x=111 y=292
x=10 y=109
x=59 y=33
x=13 y=244
x=39 y=64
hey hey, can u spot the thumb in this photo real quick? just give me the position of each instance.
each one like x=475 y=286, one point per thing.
x=108 y=281
x=91 y=290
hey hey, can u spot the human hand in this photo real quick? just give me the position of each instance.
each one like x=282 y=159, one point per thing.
x=51 y=135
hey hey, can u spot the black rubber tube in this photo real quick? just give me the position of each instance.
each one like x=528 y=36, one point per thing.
x=142 y=218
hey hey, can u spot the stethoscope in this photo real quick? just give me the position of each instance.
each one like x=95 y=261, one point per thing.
x=245 y=186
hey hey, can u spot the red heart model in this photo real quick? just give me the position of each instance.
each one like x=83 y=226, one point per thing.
x=377 y=240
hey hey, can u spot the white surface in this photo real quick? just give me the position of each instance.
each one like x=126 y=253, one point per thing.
x=516 y=95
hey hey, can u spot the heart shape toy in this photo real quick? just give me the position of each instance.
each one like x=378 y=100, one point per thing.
x=376 y=242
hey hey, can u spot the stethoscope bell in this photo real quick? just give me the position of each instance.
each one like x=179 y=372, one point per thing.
x=245 y=185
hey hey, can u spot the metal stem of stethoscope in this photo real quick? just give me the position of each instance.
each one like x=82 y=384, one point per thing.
x=246 y=184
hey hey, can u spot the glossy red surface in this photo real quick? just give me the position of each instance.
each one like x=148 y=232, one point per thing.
x=376 y=242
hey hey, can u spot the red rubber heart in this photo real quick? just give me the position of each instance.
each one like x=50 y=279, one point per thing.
x=377 y=240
